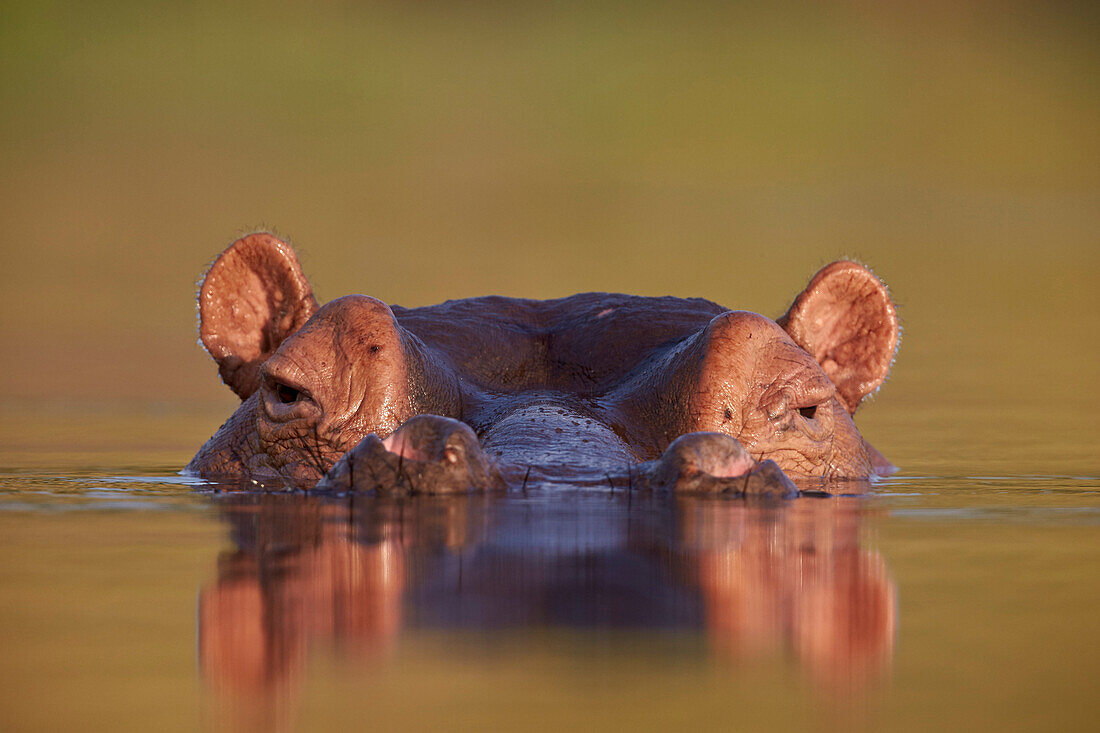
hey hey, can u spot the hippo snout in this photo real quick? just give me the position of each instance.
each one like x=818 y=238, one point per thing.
x=428 y=454
x=714 y=463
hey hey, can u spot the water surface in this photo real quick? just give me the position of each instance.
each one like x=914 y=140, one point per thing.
x=417 y=152
x=132 y=595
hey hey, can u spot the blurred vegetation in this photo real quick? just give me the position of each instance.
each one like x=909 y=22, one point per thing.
x=427 y=150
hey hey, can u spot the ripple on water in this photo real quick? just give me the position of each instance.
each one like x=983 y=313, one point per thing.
x=50 y=492
x=1001 y=499
x=1012 y=499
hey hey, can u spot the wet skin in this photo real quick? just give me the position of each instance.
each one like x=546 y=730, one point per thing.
x=437 y=455
x=674 y=394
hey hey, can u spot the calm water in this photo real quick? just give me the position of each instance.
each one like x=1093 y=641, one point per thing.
x=424 y=151
x=133 y=597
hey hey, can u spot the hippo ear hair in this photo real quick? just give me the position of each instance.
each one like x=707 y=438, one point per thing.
x=252 y=298
x=846 y=320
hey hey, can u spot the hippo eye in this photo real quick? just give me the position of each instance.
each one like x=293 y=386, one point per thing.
x=286 y=393
x=808 y=412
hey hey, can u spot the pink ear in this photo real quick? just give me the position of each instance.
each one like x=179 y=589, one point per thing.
x=253 y=298
x=847 y=321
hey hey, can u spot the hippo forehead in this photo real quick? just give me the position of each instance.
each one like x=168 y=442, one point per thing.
x=351 y=321
x=581 y=343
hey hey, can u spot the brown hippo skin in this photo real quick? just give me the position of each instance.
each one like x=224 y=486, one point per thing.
x=665 y=392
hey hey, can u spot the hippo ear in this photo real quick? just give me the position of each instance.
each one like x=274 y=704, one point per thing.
x=847 y=321
x=253 y=297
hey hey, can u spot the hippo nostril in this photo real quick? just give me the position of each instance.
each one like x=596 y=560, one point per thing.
x=808 y=412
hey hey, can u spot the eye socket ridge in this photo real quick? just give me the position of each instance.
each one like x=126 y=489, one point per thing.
x=813 y=397
x=286 y=391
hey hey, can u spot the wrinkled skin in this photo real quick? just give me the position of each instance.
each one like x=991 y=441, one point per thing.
x=480 y=393
x=713 y=463
x=437 y=455
x=427 y=455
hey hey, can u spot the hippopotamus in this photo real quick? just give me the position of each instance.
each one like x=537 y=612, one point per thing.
x=661 y=393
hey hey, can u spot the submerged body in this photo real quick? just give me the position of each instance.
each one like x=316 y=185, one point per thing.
x=594 y=383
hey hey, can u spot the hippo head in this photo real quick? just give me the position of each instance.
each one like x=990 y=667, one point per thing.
x=788 y=389
x=596 y=379
x=313 y=380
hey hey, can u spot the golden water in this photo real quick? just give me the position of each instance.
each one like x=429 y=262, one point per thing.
x=942 y=600
x=424 y=151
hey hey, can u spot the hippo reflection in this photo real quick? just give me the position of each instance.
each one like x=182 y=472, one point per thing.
x=478 y=393
x=753 y=578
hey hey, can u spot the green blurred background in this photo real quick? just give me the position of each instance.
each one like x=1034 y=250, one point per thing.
x=428 y=150
x=419 y=151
